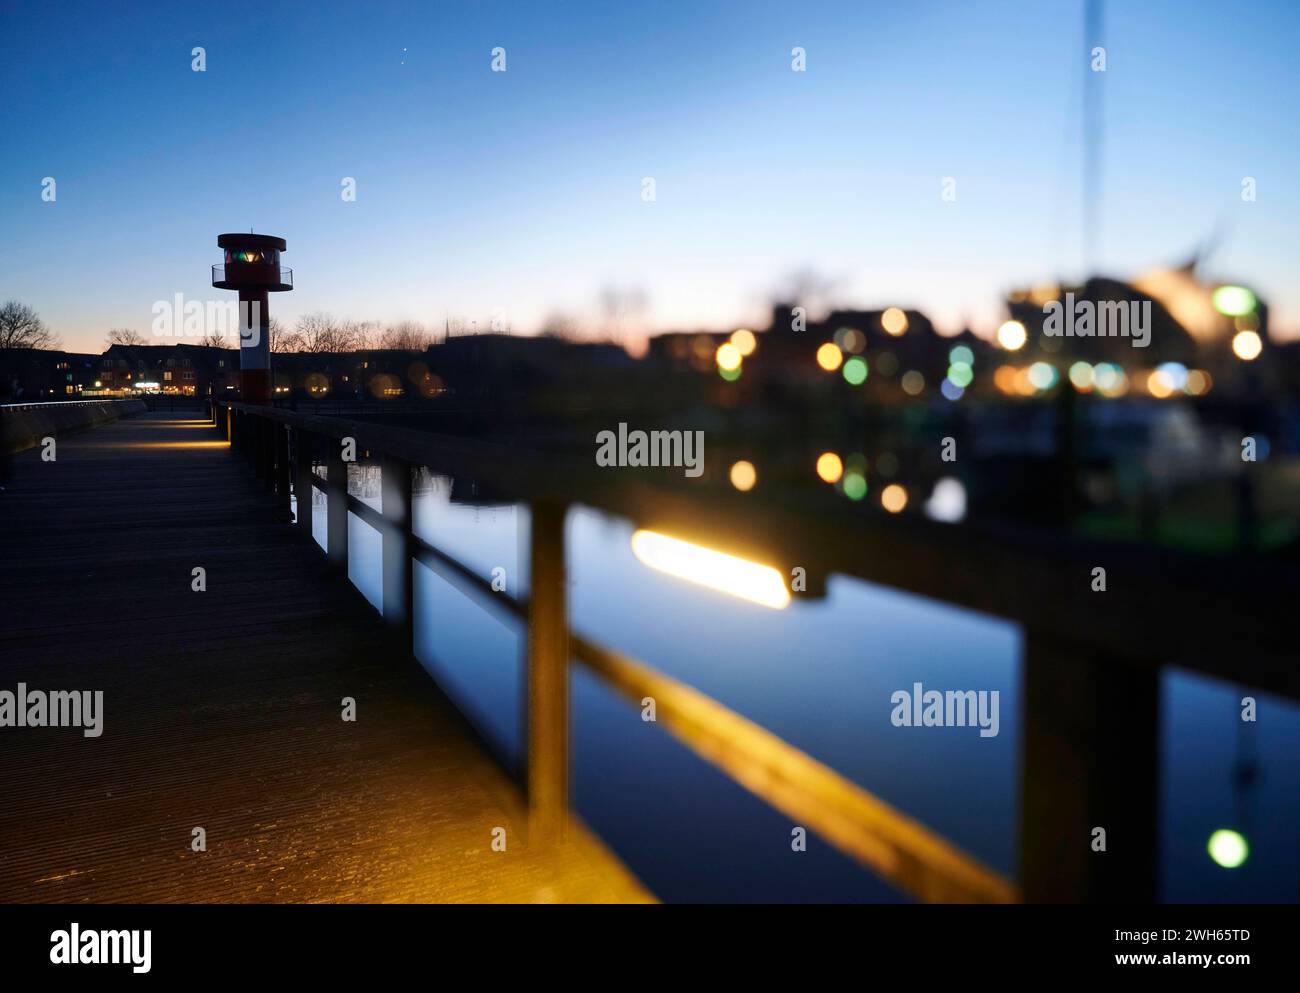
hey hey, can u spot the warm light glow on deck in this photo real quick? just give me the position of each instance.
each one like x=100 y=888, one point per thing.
x=750 y=581
x=208 y=425
x=163 y=445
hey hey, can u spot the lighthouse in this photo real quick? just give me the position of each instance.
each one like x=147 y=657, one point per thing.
x=252 y=267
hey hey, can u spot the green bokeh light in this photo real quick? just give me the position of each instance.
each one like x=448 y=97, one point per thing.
x=1228 y=848
x=1042 y=375
x=1081 y=375
x=961 y=355
x=855 y=371
x=1235 y=301
x=855 y=485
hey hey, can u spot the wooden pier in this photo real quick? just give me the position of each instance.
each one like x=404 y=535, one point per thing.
x=223 y=708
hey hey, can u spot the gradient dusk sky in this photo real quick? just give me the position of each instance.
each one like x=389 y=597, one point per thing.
x=519 y=193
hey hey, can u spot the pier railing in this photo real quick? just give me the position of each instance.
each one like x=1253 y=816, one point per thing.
x=1090 y=670
x=282 y=448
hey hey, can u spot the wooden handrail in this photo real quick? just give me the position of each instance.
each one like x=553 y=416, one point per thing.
x=899 y=849
x=1116 y=656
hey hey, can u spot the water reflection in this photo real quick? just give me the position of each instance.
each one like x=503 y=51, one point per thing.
x=759 y=584
x=819 y=673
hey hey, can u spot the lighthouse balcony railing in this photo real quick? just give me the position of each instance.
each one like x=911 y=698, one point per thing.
x=233 y=271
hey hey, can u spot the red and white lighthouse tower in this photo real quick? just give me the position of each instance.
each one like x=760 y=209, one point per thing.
x=252 y=266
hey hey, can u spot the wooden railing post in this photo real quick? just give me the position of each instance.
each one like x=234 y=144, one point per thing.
x=258 y=449
x=248 y=430
x=303 y=489
x=547 y=676
x=1089 y=759
x=336 y=506
x=281 y=451
x=253 y=441
x=266 y=451
x=395 y=489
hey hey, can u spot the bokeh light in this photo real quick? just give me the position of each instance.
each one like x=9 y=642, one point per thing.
x=1175 y=373
x=1109 y=379
x=1160 y=384
x=1023 y=386
x=1042 y=375
x=829 y=467
x=894 y=321
x=1234 y=300
x=855 y=485
x=829 y=356
x=913 y=382
x=1228 y=848
x=1247 y=345
x=855 y=370
x=1012 y=336
x=728 y=357
x=1004 y=378
x=743 y=476
x=1081 y=376
x=744 y=342
x=947 y=501
x=893 y=498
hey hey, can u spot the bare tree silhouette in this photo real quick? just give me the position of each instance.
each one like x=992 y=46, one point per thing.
x=323 y=332
x=124 y=336
x=410 y=336
x=22 y=327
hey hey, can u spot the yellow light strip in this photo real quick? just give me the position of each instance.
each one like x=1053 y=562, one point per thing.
x=696 y=564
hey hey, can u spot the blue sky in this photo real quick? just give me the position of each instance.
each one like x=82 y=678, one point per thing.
x=519 y=193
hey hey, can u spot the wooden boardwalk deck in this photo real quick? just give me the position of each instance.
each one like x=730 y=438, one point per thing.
x=222 y=708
